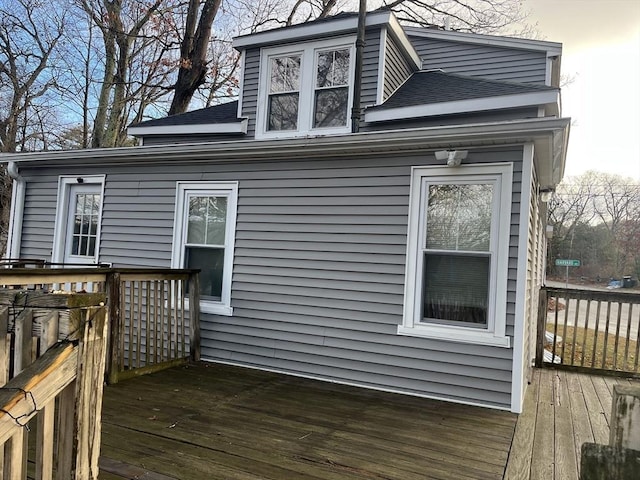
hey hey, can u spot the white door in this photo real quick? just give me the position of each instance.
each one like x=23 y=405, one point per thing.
x=81 y=235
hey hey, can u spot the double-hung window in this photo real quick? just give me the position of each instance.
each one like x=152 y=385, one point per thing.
x=284 y=92
x=457 y=254
x=305 y=89
x=204 y=235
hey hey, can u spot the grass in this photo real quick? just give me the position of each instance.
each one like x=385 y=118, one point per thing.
x=574 y=352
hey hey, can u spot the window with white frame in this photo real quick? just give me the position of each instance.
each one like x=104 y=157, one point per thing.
x=305 y=89
x=457 y=254
x=204 y=235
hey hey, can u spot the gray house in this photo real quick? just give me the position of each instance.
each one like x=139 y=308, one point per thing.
x=401 y=253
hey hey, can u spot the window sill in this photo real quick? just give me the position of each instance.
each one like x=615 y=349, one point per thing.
x=459 y=335
x=212 y=308
x=215 y=308
x=284 y=134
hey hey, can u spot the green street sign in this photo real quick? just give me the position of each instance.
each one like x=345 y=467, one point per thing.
x=562 y=262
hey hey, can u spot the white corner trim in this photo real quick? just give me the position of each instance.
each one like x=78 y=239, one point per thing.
x=235 y=127
x=519 y=362
x=306 y=31
x=551 y=49
x=382 y=55
x=548 y=71
x=463 y=106
x=243 y=60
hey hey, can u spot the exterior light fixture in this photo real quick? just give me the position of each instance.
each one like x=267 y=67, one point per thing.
x=453 y=157
x=546 y=194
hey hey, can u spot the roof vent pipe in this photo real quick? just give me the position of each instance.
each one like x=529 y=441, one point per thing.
x=357 y=87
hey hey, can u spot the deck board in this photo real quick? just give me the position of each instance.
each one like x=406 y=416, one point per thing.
x=215 y=421
x=566 y=459
x=566 y=409
x=221 y=422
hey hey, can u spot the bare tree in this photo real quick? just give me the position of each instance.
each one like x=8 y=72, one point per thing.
x=121 y=23
x=596 y=218
x=29 y=35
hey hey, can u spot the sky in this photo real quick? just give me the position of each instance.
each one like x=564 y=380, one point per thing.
x=601 y=54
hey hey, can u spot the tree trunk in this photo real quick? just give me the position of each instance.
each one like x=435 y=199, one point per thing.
x=100 y=122
x=193 y=54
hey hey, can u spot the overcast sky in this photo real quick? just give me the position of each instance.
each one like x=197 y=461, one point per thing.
x=601 y=51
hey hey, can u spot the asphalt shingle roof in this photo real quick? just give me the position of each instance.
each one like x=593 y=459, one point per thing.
x=428 y=87
x=224 y=113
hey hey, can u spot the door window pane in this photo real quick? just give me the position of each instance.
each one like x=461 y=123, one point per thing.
x=456 y=289
x=85 y=224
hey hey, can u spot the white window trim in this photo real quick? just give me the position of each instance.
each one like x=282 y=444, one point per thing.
x=307 y=51
x=62 y=212
x=229 y=190
x=494 y=334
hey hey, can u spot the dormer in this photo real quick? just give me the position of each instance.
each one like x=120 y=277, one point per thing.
x=299 y=81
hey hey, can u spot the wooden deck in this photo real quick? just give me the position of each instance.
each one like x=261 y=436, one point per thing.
x=562 y=411
x=210 y=421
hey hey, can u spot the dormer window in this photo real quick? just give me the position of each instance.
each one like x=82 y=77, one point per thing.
x=305 y=89
x=284 y=92
x=332 y=88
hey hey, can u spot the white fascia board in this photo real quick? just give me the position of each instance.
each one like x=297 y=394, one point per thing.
x=305 y=31
x=401 y=37
x=552 y=49
x=236 y=127
x=462 y=106
x=547 y=132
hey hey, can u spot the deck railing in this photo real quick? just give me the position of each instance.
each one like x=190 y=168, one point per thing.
x=154 y=313
x=589 y=330
x=51 y=387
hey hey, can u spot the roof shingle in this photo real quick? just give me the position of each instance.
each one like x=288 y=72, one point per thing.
x=428 y=87
x=224 y=113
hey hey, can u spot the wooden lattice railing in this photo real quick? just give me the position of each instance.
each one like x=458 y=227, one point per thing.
x=154 y=313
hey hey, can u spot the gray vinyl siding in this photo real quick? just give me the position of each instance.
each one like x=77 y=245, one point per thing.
x=370 y=65
x=39 y=216
x=485 y=61
x=251 y=79
x=396 y=68
x=319 y=266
